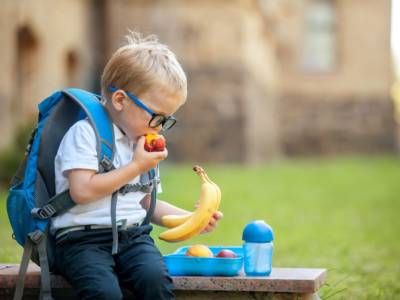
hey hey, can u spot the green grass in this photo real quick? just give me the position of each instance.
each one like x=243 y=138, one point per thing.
x=341 y=214
x=9 y=250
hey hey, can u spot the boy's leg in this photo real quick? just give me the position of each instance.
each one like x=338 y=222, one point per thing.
x=141 y=267
x=84 y=259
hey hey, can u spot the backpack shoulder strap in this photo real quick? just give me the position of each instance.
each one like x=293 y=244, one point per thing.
x=101 y=123
x=153 y=175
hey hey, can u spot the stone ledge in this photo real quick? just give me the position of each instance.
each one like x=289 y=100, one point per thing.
x=281 y=280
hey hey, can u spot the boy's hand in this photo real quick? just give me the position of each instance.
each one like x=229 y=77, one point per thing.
x=213 y=222
x=147 y=160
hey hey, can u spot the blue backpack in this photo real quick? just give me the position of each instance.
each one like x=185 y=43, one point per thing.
x=32 y=199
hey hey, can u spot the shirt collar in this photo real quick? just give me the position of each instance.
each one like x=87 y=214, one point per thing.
x=118 y=135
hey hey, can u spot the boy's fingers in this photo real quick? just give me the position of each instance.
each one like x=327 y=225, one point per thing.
x=140 y=142
x=212 y=222
x=159 y=155
x=218 y=215
x=163 y=154
x=210 y=227
x=207 y=229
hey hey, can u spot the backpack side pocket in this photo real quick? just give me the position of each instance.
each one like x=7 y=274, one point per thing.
x=19 y=213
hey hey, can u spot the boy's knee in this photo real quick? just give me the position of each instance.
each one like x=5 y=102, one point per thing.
x=101 y=293
x=153 y=277
x=151 y=274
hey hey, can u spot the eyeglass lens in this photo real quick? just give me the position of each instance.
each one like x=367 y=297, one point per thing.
x=158 y=120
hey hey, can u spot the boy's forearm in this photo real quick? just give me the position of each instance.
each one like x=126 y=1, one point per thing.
x=102 y=184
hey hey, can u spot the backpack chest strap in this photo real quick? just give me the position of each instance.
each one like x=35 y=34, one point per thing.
x=138 y=187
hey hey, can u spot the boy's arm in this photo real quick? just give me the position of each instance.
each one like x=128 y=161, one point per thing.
x=88 y=186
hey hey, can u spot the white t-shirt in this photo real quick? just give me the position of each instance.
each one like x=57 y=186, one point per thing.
x=77 y=150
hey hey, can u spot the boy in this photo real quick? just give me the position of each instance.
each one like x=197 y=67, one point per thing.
x=143 y=85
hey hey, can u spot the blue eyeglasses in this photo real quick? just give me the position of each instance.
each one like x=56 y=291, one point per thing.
x=167 y=122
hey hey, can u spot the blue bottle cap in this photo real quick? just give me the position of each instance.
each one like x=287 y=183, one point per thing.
x=258 y=232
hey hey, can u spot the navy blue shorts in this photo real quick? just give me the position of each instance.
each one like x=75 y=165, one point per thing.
x=84 y=259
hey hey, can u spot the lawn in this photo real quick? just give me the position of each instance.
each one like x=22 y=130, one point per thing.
x=340 y=213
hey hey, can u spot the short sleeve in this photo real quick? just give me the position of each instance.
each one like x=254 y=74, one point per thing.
x=78 y=148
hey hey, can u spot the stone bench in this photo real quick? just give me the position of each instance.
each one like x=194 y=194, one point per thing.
x=283 y=283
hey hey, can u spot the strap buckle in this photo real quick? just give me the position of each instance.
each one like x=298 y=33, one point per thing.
x=44 y=212
x=137 y=187
x=155 y=181
x=36 y=236
x=106 y=163
x=146 y=188
x=124 y=189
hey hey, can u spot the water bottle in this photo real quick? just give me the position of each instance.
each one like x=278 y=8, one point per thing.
x=257 y=248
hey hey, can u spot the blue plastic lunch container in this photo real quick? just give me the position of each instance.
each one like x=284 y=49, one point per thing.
x=178 y=264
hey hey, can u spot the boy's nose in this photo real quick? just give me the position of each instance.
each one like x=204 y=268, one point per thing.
x=153 y=131
x=157 y=129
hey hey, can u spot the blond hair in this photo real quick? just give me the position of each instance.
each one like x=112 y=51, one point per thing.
x=144 y=63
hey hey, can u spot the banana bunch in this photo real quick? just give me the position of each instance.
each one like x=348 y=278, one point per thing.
x=183 y=227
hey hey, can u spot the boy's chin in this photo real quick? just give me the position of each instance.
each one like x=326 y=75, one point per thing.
x=132 y=138
x=136 y=138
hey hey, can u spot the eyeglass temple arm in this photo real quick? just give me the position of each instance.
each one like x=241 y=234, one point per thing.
x=133 y=97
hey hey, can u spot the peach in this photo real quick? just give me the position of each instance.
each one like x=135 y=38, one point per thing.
x=199 y=251
x=154 y=143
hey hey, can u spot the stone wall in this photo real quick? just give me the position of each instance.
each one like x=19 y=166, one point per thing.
x=328 y=126
x=45 y=46
x=211 y=125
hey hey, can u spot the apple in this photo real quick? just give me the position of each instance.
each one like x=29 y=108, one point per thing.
x=199 y=251
x=226 y=253
x=154 y=143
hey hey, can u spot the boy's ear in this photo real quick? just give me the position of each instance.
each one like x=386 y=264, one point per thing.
x=117 y=99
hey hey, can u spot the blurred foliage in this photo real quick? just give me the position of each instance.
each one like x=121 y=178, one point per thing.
x=12 y=156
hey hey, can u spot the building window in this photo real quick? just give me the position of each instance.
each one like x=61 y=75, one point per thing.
x=320 y=49
x=26 y=63
x=71 y=66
